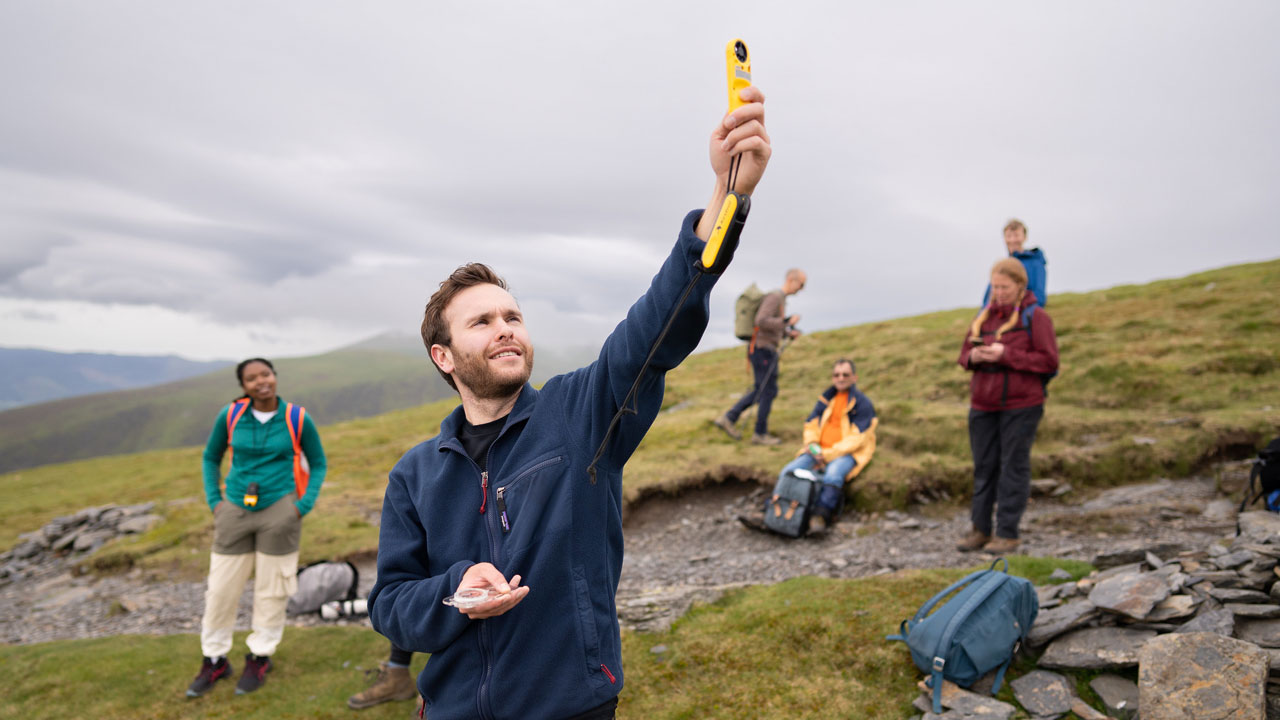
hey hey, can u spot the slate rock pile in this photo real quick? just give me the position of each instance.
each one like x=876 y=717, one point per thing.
x=1201 y=626
x=74 y=535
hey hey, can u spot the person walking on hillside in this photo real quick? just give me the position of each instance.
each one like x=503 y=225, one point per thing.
x=1011 y=350
x=277 y=468
x=772 y=324
x=1032 y=259
x=527 y=483
x=839 y=440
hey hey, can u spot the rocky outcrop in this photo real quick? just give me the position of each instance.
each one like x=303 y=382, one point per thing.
x=77 y=534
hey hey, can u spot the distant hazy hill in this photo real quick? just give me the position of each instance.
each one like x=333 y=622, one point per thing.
x=385 y=373
x=35 y=376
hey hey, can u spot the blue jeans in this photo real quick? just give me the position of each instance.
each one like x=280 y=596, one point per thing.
x=764 y=369
x=832 y=474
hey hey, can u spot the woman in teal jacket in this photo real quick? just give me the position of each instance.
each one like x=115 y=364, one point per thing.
x=277 y=468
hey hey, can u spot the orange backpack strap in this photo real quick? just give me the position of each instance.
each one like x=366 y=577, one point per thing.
x=293 y=417
x=235 y=411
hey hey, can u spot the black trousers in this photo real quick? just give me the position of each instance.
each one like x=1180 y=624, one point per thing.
x=764 y=368
x=1001 y=444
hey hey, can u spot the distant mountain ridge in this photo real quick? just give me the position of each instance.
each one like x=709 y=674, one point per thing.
x=375 y=376
x=29 y=376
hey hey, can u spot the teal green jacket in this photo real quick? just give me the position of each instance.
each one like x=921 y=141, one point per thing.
x=262 y=453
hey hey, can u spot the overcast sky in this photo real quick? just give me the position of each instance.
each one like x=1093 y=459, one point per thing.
x=226 y=179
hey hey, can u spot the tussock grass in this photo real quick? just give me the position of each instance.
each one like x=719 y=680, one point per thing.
x=1191 y=363
x=808 y=647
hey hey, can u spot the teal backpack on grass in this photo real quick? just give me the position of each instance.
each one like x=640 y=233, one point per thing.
x=975 y=632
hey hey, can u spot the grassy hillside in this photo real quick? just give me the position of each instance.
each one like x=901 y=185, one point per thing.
x=336 y=386
x=1156 y=380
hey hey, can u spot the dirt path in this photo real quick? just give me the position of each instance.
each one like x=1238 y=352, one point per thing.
x=690 y=548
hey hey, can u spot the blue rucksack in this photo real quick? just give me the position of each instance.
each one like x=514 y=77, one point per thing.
x=975 y=632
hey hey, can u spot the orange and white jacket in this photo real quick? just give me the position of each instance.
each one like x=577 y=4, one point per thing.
x=857 y=426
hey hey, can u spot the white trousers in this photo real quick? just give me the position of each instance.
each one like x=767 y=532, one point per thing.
x=275 y=579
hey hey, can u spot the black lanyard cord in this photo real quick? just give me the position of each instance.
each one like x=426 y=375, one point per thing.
x=624 y=408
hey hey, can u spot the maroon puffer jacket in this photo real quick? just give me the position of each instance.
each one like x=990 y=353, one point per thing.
x=1016 y=380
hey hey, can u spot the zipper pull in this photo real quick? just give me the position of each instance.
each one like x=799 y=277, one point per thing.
x=484 y=490
x=502 y=510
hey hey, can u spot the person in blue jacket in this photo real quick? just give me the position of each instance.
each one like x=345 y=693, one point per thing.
x=1032 y=259
x=520 y=494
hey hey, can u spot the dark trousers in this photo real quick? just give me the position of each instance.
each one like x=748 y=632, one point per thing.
x=764 y=367
x=1001 y=443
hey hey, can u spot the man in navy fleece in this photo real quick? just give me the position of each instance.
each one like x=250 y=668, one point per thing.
x=503 y=494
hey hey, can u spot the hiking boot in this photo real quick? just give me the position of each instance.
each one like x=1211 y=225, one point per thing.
x=754 y=522
x=254 y=675
x=210 y=673
x=765 y=439
x=724 y=423
x=818 y=526
x=1001 y=545
x=975 y=540
x=391 y=683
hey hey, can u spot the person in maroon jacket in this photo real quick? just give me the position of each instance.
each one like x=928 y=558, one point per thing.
x=1011 y=351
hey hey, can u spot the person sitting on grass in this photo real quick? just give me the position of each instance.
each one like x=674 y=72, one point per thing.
x=839 y=440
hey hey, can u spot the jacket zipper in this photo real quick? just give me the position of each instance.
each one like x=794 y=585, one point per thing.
x=482 y=691
x=484 y=489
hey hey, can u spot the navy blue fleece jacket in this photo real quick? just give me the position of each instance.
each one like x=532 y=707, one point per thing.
x=558 y=652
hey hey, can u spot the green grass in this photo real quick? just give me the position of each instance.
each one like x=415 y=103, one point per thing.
x=808 y=647
x=1193 y=368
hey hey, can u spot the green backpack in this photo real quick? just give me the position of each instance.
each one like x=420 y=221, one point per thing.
x=744 y=311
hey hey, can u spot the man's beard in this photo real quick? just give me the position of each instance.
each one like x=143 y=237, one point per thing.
x=473 y=371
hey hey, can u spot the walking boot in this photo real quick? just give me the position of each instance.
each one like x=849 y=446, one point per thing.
x=975 y=540
x=1001 y=545
x=724 y=423
x=391 y=683
x=255 y=672
x=210 y=673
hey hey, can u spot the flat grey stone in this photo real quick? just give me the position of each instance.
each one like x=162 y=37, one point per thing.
x=1264 y=633
x=1041 y=692
x=1132 y=594
x=966 y=705
x=26 y=550
x=1216 y=550
x=1155 y=562
x=1126 y=556
x=1053 y=622
x=1259 y=526
x=1060 y=575
x=1238 y=595
x=138 y=524
x=1217 y=577
x=1126 y=569
x=1220 y=510
x=92 y=539
x=1118 y=695
x=1230 y=561
x=1201 y=675
x=1215 y=620
x=1172 y=608
x=1251 y=610
x=1101 y=648
x=1085 y=711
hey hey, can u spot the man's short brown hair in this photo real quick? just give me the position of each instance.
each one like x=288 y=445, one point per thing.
x=435 y=329
x=1015 y=224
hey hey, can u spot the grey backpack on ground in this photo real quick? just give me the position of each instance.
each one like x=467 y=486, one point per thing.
x=788 y=511
x=322 y=582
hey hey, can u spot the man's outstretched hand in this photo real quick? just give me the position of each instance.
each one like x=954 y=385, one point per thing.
x=739 y=133
x=485 y=575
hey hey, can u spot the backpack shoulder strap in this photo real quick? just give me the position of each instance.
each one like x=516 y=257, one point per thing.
x=294 y=415
x=235 y=411
x=989 y=584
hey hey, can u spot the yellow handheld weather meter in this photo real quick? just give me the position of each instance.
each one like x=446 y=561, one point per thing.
x=733 y=212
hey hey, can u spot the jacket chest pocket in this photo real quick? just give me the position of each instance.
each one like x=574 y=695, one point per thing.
x=527 y=496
